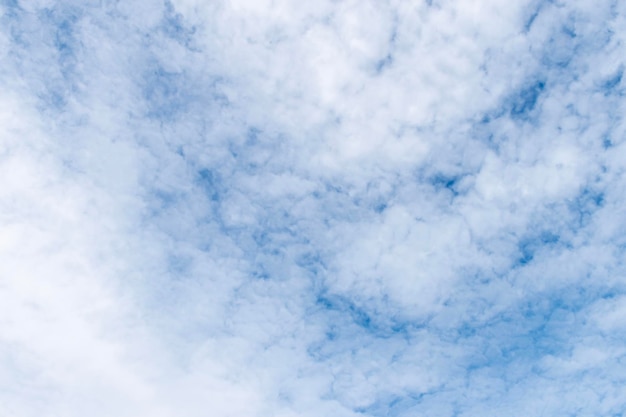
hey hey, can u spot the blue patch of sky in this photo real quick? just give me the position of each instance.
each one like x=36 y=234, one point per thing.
x=384 y=63
x=312 y=262
x=542 y=324
x=522 y=104
x=11 y=13
x=561 y=49
x=612 y=84
x=347 y=318
x=163 y=200
x=483 y=130
x=340 y=202
x=253 y=150
x=178 y=265
x=387 y=61
x=392 y=404
x=209 y=182
x=585 y=205
x=523 y=335
x=64 y=38
x=44 y=51
x=529 y=245
x=373 y=199
x=173 y=25
x=347 y=307
x=531 y=19
x=167 y=94
x=449 y=183
x=274 y=241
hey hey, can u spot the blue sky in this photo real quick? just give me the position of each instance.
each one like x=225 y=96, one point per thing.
x=330 y=208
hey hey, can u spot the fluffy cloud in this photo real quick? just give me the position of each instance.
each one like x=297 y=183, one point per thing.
x=337 y=208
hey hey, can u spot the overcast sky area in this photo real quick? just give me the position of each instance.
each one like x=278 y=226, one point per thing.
x=330 y=208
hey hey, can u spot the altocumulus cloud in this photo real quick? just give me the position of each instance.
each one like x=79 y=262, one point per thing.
x=329 y=208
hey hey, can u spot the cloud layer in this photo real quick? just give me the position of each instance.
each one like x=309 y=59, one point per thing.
x=337 y=208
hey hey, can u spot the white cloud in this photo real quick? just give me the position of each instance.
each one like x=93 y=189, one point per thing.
x=337 y=208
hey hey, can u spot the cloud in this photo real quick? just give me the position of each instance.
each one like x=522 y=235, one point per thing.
x=336 y=208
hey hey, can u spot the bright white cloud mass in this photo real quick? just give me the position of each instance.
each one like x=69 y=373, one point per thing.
x=336 y=208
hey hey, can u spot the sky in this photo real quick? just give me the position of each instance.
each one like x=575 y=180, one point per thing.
x=342 y=208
